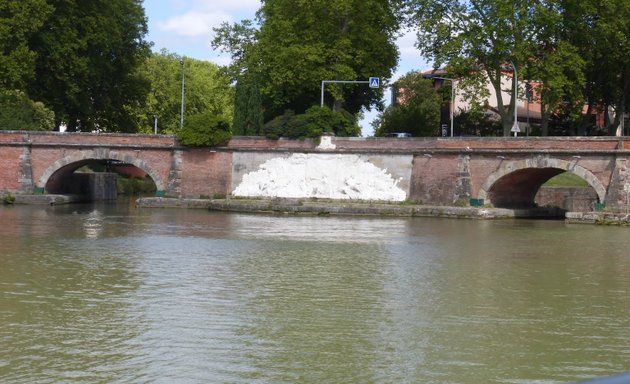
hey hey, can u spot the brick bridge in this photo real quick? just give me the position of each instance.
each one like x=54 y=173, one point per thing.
x=506 y=172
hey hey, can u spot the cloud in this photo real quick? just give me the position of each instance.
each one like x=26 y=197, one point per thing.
x=410 y=57
x=193 y=23
x=249 y=6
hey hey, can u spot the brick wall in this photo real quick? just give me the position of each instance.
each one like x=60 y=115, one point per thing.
x=205 y=173
x=576 y=199
x=10 y=168
x=443 y=171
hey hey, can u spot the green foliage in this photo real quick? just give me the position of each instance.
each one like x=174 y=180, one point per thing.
x=88 y=53
x=475 y=123
x=239 y=39
x=206 y=90
x=485 y=37
x=323 y=119
x=278 y=127
x=418 y=111
x=574 y=52
x=8 y=198
x=248 y=113
x=599 y=31
x=297 y=47
x=566 y=179
x=205 y=129
x=312 y=124
x=19 y=21
x=134 y=186
x=18 y=112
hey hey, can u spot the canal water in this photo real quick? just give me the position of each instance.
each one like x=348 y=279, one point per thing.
x=115 y=294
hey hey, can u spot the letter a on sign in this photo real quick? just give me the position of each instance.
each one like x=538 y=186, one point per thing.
x=374 y=82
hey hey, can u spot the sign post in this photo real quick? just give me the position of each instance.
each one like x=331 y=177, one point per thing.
x=373 y=82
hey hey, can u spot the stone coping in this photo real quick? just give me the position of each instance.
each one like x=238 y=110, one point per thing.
x=603 y=218
x=339 y=207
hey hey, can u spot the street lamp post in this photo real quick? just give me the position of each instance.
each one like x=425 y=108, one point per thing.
x=515 y=127
x=181 y=123
x=452 y=97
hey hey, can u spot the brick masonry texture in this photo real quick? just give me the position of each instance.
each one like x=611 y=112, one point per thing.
x=442 y=171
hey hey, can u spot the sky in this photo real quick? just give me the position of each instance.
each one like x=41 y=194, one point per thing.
x=185 y=27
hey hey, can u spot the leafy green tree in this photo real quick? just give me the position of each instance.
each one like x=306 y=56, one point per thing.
x=163 y=102
x=248 y=113
x=205 y=129
x=599 y=30
x=480 y=40
x=19 y=20
x=239 y=39
x=313 y=123
x=300 y=44
x=418 y=111
x=18 y=112
x=206 y=89
x=474 y=122
x=88 y=53
x=554 y=69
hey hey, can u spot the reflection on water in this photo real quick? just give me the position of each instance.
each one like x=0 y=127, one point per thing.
x=112 y=294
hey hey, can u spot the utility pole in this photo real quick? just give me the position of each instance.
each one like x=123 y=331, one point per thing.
x=181 y=123
x=515 y=127
x=452 y=98
x=374 y=82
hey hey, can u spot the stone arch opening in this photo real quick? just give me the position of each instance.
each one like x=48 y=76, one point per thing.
x=516 y=184
x=62 y=176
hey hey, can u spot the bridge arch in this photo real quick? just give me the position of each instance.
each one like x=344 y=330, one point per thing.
x=516 y=183
x=76 y=160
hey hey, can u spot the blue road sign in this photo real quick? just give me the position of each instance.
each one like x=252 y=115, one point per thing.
x=375 y=82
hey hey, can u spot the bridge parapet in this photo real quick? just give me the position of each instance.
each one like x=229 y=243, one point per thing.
x=432 y=170
x=86 y=139
x=493 y=145
x=483 y=143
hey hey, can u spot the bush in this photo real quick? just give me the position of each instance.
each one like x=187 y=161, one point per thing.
x=8 y=199
x=417 y=111
x=476 y=123
x=18 y=112
x=205 y=130
x=278 y=127
x=312 y=124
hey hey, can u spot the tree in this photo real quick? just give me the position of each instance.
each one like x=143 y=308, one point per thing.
x=239 y=40
x=18 y=112
x=19 y=20
x=480 y=40
x=558 y=87
x=88 y=53
x=298 y=46
x=599 y=30
x=313 y=123
x=206 y=90
x=248 y=113
x=205 y=129
x=418 y=111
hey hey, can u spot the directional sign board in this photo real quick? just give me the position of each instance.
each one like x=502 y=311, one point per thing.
x=375 y=82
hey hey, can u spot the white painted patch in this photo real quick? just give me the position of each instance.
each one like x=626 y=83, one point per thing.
x=332 y=176
x=326 y=143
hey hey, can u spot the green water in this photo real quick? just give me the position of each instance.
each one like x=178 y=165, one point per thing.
x=112 y=294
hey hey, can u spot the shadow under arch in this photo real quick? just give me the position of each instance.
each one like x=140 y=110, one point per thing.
x=77 y=160
x=515 y=183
